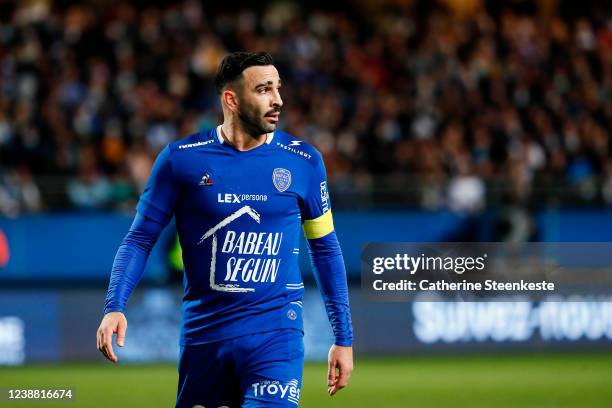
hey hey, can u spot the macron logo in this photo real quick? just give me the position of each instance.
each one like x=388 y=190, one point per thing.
x=295 y=143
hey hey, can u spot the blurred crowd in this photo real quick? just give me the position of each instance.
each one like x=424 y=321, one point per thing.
x=414 y=103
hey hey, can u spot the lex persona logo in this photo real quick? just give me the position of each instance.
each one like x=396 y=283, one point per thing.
x=227 y=198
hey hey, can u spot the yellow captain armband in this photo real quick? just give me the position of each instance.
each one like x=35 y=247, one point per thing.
x=319 y=227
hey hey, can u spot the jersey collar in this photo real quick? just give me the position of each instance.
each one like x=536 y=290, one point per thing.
x=269 y=136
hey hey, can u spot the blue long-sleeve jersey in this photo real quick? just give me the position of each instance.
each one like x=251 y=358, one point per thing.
x=239 y=216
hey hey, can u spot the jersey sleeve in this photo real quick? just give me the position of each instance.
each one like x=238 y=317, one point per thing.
x=316 y=212
x=130 y=261
x=160 y=194
x=326 y=256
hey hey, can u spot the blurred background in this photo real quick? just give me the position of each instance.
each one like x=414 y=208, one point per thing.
x=447 y=120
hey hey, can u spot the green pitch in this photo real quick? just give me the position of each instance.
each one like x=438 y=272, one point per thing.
x=538 y=381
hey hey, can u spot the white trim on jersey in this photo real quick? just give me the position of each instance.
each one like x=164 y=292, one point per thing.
x=219 y=134
x=269 y=136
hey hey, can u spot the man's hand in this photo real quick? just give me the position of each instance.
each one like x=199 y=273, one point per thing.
x=113 y=322
x=339 y=368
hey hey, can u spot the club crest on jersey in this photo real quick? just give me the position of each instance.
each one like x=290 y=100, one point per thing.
x=281 y=179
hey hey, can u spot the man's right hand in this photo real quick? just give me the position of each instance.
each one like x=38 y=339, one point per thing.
x=113 y=322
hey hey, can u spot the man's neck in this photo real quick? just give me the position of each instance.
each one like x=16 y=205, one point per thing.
x=235 y=135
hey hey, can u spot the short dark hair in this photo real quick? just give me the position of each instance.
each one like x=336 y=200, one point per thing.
x=234 y=64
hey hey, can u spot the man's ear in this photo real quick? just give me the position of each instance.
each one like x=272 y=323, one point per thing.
x=230 y=99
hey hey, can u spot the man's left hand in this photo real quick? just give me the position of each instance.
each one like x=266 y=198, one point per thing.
x=339 y=368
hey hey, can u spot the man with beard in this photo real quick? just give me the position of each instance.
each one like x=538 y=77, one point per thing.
x=240 y=194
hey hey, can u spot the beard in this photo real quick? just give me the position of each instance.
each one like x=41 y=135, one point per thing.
x=254 y=121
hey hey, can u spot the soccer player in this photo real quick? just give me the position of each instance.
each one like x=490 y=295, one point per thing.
x=240 y=193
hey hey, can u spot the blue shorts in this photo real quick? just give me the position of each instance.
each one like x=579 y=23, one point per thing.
x=258 y=370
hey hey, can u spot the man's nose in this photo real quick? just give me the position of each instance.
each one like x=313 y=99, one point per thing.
x=277 y=101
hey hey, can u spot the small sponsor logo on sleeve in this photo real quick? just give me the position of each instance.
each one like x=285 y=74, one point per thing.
x=324 y=196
